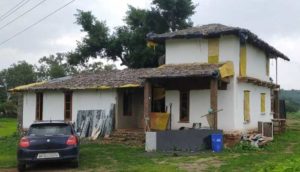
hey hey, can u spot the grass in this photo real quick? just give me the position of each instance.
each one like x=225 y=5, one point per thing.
x=283 y=154
x=8 y=126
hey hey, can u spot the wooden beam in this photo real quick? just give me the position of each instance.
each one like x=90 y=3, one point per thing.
x=147 y=104
x=276 y=103
x=214 y=101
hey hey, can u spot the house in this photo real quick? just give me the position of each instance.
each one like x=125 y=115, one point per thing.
x=214 y=74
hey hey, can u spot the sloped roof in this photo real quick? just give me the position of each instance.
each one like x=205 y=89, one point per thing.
x=122 y=78
x=216 y=30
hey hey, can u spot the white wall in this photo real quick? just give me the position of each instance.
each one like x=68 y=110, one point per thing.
x=256 y=63
x=199 y=105
x=53 y=105
x=92 y=100
x=255 y=112
x=29 y=101
x=186 y=51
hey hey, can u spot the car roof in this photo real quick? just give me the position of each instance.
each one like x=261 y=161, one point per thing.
x=50 y=122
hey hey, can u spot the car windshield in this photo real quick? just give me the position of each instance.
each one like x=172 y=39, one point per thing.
x=50 y=129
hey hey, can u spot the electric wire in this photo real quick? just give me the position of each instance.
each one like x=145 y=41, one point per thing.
x=30 y=26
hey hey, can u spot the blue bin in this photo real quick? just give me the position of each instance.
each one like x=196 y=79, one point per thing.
x=217 y=142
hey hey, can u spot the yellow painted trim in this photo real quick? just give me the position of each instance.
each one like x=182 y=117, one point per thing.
x=213 y=50
x=246 y=105
x=243 y=60
x=103 y=87
x=24 y=87
x=263 y=102
x=129 y=85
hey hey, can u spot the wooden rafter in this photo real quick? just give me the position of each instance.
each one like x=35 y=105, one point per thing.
x=257 y=82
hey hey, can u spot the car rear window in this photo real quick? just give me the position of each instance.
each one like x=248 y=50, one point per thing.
x=50 y=129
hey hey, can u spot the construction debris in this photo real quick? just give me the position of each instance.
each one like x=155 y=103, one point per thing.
x=257 y=140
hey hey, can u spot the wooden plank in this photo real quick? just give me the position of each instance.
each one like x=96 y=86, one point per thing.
x=214 y=100
x=147 y=104
x=276 y=103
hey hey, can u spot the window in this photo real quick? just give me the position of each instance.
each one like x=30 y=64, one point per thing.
x=243 y=60
x=213 y=50
x=246 y=105
x=68 y=106
x=184 y=106
x=262 y=102
x=39 y=107
x=127 y=103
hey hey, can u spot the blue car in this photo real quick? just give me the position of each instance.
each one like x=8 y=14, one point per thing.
x=48 y=141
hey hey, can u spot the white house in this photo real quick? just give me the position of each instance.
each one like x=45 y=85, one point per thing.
x=212 y=69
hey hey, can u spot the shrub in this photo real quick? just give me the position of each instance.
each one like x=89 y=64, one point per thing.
x=8 y=109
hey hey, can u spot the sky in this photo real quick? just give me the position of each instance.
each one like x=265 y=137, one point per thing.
x=275 y=21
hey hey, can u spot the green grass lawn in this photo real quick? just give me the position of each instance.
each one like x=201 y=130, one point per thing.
x=8 y=126
x=283 y=154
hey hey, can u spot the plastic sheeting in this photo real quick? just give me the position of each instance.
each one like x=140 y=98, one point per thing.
x=227 y=70
x=159 y=121
x=94 y=123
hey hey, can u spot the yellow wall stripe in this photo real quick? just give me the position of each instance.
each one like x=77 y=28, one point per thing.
x=243 y=60
x=246 y=105
x=213 y=50
x=263 y=102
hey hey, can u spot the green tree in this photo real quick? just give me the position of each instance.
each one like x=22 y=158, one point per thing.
x=128 y=43
x=17 y=74
x=54 y=66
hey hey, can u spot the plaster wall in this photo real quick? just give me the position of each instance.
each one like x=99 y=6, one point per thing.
x=256 y=63
x=255 y=112
x=53 y=105
x=29 y=101
x=92 y=100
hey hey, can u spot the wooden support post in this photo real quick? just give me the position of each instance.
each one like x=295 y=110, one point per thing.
x=147 y=104
x=276 y=104
x=20 y=112
x=214 y=101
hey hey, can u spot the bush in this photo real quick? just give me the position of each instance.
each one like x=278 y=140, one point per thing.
x=8 y=109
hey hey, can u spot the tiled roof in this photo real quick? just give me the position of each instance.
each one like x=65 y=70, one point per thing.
x=216 y=30
x=122 y=78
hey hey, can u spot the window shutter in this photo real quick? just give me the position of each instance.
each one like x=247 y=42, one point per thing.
x=243 y=60
x=247 y=105
x=263 y=102
x=213 y=50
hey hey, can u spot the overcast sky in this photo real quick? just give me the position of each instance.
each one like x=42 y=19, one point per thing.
x=275 y=21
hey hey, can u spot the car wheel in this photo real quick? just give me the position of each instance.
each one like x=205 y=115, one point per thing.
x=21 y=167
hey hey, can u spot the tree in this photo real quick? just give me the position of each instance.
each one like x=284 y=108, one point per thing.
x=128 y=43
x=18 y=74
x=54 y=66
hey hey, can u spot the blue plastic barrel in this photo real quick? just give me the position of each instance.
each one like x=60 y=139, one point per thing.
x=217 y=142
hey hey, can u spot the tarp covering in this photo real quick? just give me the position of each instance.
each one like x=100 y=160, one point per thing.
x=159 y=121
x=94 y=123
x=158 y=93
x=226 y=70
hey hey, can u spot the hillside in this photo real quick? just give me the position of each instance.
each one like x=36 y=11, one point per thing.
x=292 y=98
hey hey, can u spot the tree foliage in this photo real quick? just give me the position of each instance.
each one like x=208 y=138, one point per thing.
x=17 y=74
x=127 y=43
